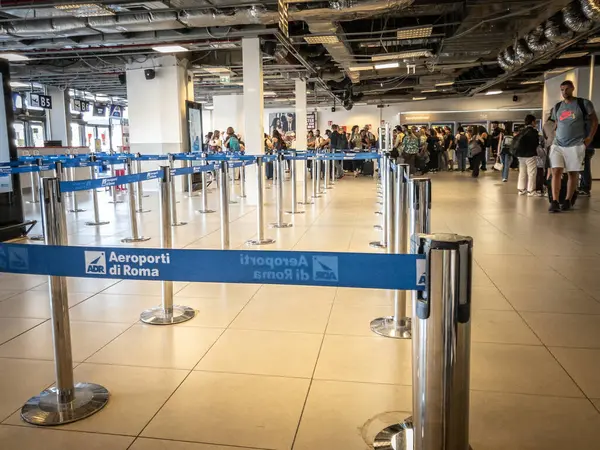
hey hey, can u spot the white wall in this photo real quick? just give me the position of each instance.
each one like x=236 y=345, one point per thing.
x=228 y=112
x=365 y=115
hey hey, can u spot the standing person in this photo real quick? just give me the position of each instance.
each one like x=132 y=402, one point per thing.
x=355 y=138
x=207 y=139
x=268 y=151
x=495 y=138
x=572 y=138
x=462 y=149
x=525 y=146
x=215 y=144
x=506 y=155
x=485 y=138
x=409 y=150
x=449 y=147
x=433 y=149
x=232 y=142
x=310 y=140
x=336 y=143
x=476 y=150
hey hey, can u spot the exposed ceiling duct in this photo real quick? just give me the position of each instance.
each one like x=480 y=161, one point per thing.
x=574 y=18
x=591 y=9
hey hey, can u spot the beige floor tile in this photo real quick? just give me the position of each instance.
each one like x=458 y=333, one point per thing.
x=18 y=282
x=212 y=312
x=505 y=327
x=136 y=394
x=276 y=293
x=529 y=422
x=547 y=279
x=10 y=328
x=489 y=298
x=4 y=294
x=86 y=339
x=170 y=347
x=34 y=304
x=145 y=287
x=21 y=380
x=342 y=415
x=355 y=320
x=366 y=359
x=239 y=410
x=219 y=290
x=364 y=297
x=565 y=330
x=519 y=369
x=300 y=315
x=583 y=365
x=83 y=285
x=596 y=403
x=54 y=439
x=159 y=444
x=264 y=353
x=113 y=308
x=551 y=300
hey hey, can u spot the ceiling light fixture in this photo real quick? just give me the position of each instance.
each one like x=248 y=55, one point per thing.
x=419 y=98
x=559 y=70
x=170 y=49
x=402 y=55
x=18 y=84
x=86 y=9
x=209 y=107
x=415 y=33
x=531 y=82
x=573 y=55
x=13 y=57
x=270 y=94
x=496 y=92
x=428 y=91
x=387 y=66
x=216 y=70
x=594 y=40
x=445 y=83
x=321 y=39
x=360 y=68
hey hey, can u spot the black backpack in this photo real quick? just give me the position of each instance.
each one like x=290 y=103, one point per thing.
x=586 y=118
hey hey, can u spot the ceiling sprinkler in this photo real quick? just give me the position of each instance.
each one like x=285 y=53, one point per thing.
x=411 y=68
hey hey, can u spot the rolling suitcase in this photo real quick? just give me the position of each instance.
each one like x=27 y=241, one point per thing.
x=368 y=168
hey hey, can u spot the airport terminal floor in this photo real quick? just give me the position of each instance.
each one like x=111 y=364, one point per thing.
x=274 y=367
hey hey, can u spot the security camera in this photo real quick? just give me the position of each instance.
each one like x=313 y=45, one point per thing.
x=149 y=74
x=333 y=109
x=515 y=98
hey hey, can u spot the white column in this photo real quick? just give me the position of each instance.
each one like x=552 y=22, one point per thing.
x=58 y=119
x=253 y=107
x=228 y=112
x=301 y=125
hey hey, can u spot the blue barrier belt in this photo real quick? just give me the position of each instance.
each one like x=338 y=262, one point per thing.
x=193 y=169
x=6 y=171
x=84 y=185
x=356 y=270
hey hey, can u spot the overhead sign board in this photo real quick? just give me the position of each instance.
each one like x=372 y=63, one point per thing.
x=40 y=101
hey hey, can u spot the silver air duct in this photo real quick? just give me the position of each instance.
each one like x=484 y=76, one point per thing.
x=522 y=52
x=502 y=62
x=555 y=31
x=509 y=56
x=591 y=9
x=574 y=19
x=537 y=42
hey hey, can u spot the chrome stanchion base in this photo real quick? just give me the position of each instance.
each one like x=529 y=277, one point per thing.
x=37 y=237
x=205 y=211
x=395 y=437
x=91 y=224
x=116 y=201
x=159 y=316
x=294 y=212
x=32 y=202
x=377 y=227
x=75 y=210
x=260 y=241
x=45 y=409
x=306 y=203
x=142 y=211
x=132 y=239
x=178 y=224
x=388 y=327
x=281 y=225
x=377 y=244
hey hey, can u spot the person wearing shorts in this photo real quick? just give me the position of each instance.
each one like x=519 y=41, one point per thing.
x=573 y=135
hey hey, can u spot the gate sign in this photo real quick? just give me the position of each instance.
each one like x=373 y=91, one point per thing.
x=40 y=101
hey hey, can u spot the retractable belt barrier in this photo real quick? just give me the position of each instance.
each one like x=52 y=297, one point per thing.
x=355 y=270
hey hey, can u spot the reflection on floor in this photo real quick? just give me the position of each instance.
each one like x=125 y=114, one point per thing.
x=270 y=367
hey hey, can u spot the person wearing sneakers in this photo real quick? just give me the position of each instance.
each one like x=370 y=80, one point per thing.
x=524 y=147
x=572 y=137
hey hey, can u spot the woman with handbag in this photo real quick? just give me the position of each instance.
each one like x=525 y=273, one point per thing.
x=476 y=146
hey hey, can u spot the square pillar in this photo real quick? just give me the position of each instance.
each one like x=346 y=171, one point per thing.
x=58 y=119
x=301 y=125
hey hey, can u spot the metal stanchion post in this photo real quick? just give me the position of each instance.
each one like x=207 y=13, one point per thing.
x=326 y=175
x=243 y=180
x=66 y=402
x=167 y=313
x=260 y=237
x=34 y=178
x=279 y=195
x=113 y=189
x=305 y=198
x=190 y=181
x=224 y=206
x=38 y=237
x=441 y=351
x=97 y=220
x=399 y=325
x=294 y=181
x=135 y=237
x=231 y=173
x=204 y=192
x=74 y=207
x=174 y=221
x=139 y=190
x=315 y=176
x=387 y=182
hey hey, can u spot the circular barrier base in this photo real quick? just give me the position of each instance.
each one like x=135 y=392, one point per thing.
x=159 y=316
x=32 y=202
x=295 y=212
x=281 y=225
x=379 y=213
x=306 y=203
x=116 y=201
x=91 y=224
x=206 y=211
x=178 y=224
x=260 y=242
x=132 y=239
x=37 y=237
x=47 y=411
x=396 y=437
x=76 y=210
x=386 y=326
x=142 y=211
x=377 y=244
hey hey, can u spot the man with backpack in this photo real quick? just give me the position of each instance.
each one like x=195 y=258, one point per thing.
x=576 y=124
